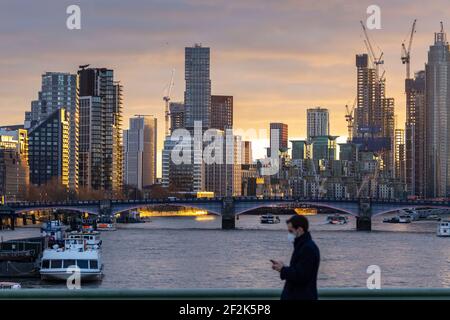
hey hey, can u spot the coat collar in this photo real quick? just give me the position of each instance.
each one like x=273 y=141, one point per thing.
x=302 y=239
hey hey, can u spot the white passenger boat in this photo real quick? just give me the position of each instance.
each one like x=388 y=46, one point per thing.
x=443 y=229
x=60 y=263
x=92 y=238
x=337 y=219
x=10 y=285
x=269 y=219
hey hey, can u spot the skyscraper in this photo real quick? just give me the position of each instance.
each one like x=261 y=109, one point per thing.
x=14 y=169
x=247 y=153
x=197 y=96
x=298 y=149
x=374 y=114
x=140 y=151
x=437 y=72
x=282 y=130
x=222 y=112
x=317 y=122
x=59 y=90
x=399 y=154
x=49 y=149
x=101 y=149
x=415 y=135
x=176 y=110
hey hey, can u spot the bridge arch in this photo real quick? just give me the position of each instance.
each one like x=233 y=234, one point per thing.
x=385 y=211
x=215 y=211
x=313 y=204
x=93 y=211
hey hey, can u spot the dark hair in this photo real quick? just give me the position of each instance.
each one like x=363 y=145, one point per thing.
x=298 y=221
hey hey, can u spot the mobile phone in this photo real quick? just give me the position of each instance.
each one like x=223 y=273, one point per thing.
x=273 y=261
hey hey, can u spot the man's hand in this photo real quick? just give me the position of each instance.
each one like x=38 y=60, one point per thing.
x=277 y=265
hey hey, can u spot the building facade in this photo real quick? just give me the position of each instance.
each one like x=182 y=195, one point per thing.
x=59 y=90
x=101 y=145
x=176 y=110
x=221 y=112
x=318 y=123
x=437 y=72
x=14 y=167
x=280 y=130
x=415 y=135
x=49 y=149
x=140 y=142
x=197 y=95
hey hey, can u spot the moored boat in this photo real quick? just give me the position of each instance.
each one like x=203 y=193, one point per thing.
x=443 y=229
x=106 y=223
x=337 y=219
x=92 y=238
x=60 y=263
x=269 y=219
x=53 y=230
x=10 y=285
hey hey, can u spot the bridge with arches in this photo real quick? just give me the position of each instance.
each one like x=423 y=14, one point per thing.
x=228 y=208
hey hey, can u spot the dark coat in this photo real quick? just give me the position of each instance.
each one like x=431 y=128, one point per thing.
x=301 y=275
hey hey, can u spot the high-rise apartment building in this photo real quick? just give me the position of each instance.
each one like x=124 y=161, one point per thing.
x=298 y=149
x=318 y=123
x=399 y=155
x=282 y=130
x=101 y=148
x=221 y=112
x=59 y=90
x=223 y=177
x=324 y=148
x=197 y=95
x=49 y=149
x=140 y=142
x=14 y=168
x=176 y=110
x=437 y=135
x=247 y=152
x=415 y=135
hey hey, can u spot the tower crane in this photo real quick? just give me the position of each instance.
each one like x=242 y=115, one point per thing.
x=406 y=52
x=349 y=118
x=166 y=99
x=375 y=60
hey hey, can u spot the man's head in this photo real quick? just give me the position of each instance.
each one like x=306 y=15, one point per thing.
x=297 y=225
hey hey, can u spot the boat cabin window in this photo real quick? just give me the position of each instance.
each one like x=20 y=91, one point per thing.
x=83 y=264
x=93 y=264
x=56 y=264
x=69 y=263
x=46 y=264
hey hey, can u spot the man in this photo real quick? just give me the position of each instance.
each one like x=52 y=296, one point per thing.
x=301 y=274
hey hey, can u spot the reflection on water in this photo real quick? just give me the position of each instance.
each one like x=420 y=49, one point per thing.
x=192 y=252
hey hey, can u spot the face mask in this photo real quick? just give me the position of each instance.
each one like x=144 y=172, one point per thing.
x=291 y=237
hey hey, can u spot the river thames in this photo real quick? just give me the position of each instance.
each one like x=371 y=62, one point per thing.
x=183 y=252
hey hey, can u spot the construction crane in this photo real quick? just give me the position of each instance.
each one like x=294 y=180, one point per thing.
x=368 y=178
x=377 y=61
x=406 y=52
x=349 y=118
x=166 y=99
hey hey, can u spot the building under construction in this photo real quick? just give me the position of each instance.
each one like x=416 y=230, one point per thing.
x=373 y=128
x=415 y=135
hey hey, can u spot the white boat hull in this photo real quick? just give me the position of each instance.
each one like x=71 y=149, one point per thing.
x=63 y=276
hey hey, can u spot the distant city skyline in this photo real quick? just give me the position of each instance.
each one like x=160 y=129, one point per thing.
x=258 y=55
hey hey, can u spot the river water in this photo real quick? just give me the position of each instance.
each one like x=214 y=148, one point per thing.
x=181 y=252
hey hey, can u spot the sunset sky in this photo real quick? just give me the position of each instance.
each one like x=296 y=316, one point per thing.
x=276 y=57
